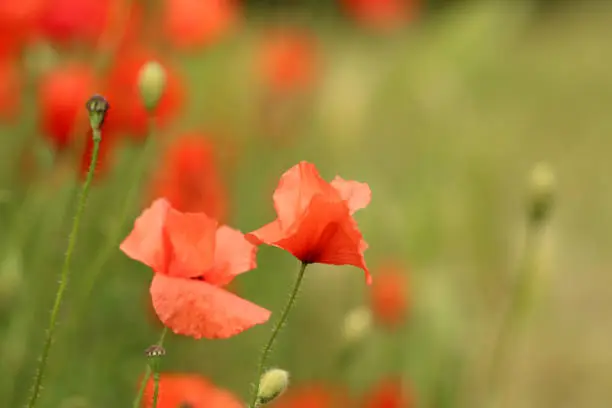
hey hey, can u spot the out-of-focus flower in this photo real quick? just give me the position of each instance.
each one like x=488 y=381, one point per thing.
x=62 y=95
x=197 y=23
x=123 y=93
x=18 y=22
x=315 y=218
x=313 y=396
x=382 y=15
x=192 y=259
x=190 y=391
x=289 y=60
x=66 y=21
x=389 y=297
x=189 y=177
x=389 y=393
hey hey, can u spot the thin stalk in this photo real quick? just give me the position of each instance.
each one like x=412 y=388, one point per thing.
x=65 y=273
x=276 y=330
x=147 y=375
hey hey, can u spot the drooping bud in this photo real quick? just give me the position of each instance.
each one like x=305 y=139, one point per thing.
x=357 y=324
x=272 y=384
x=97 y=106
x=151 y=84
x=542 y=189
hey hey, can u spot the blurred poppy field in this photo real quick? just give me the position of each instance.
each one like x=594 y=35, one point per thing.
x=453 y=153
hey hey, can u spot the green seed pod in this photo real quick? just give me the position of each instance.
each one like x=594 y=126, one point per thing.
x=273 y=383
x=151 y=84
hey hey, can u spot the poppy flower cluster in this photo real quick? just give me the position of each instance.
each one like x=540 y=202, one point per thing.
x=192 y=257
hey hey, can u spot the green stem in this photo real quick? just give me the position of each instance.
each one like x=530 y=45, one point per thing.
x=155 y=383
x=106 y=252
x=275 y=331
x=147 y=375
x=72 y=239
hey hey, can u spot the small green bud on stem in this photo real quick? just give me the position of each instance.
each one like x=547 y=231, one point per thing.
x=151 y=84
x=272 y=384
x=97 y=106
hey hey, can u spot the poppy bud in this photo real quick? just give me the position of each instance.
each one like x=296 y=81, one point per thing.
x=357 y=324
x=272 y=384
x=542 y=186
x=97 y=106
x=151 y=84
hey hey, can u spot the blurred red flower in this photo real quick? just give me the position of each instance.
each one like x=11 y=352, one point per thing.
x=19 y=21
x=188 y=390
x=389 y=393
x=123 y=94
x=62 y=95
x=315 y=218
x=382 y=14
x=389 y=295
x=65 y=21
x=289 y=60
x=195 y=23
x=192 y=259
x=189 y=177
x=313 y=396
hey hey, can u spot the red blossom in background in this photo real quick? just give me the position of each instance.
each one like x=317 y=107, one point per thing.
x=389 y=297
x=130 y=115
x=61 y=101
x=192 y=258
x=196 y=23
x=313 y=396
x=315 y=218
x=389 y=393
x=382 y=15
x=188 y=390
x=189 y=177
x=19 y=21
x=289 y=60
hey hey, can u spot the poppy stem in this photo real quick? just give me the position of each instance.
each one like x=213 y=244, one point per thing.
x=65 y=272
x=155 y=368
x=275 y=331
x=147 y=375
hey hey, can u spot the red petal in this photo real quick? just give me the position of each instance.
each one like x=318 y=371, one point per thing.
x=356 y=194
x=146 y=241
x=192 y=236
x=233 y=255
x=326 y=234
x=197 y=309
x=296 y=188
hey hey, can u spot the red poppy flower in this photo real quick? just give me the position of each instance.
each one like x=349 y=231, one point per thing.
x=65 y=21
x=382 y=14
x=196 y=23
x=289 y=60
x=189 y=177
x=389 y=295
x=192 y=258
x=61 y=98
x=188 y=391
x=18 y=22
x=313 y=396
x=315 y=218
x=124 y=96
x=389 y=393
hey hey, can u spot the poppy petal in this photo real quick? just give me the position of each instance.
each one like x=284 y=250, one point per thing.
x=271 y=232
x=146 y=241
x=233 y=256
x=356 y=194
x=296 y=189
x=198 y=309
x=192 y=236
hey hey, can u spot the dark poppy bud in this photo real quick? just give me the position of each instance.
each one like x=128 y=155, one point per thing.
x=155 y=351
x=97 y=106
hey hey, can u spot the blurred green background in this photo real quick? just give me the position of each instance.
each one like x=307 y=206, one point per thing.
x=444 y=120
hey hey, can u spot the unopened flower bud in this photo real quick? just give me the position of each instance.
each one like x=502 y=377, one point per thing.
x=272 y=384
x=151 y=83
x=97 y=106
x=357 y=324
x=542 y=186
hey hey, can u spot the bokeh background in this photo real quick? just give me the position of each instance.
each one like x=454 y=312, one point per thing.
x=442 y=107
